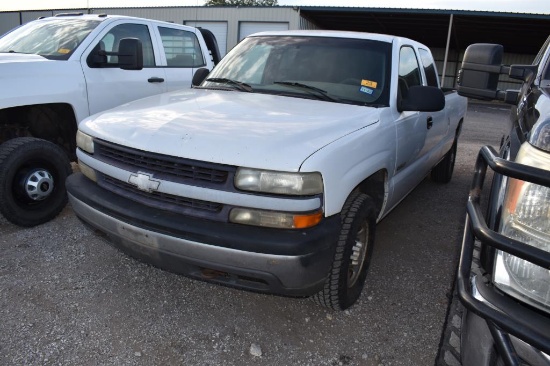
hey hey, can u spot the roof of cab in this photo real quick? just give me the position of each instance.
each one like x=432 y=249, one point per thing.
x=336 y=34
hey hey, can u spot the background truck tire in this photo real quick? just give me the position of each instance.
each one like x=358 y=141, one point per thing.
x=443 y=171
x=32 y=180
x=353 y=254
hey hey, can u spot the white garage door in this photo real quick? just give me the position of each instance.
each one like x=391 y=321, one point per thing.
x=247 y=28
x=218 y=28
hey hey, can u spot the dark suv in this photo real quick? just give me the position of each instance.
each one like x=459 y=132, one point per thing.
x=503 y=279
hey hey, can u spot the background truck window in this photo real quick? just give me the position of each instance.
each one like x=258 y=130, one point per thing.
x=112 y=39
x=182 y=48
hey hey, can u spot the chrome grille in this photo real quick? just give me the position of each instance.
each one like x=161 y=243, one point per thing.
x=167 y=166
x=158 y=199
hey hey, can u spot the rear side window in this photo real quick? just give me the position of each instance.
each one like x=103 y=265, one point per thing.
x=429 y=68
x=182 y=48
x=547 y=72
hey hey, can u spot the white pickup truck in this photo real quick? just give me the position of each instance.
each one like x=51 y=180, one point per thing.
x=272 y=173
x=56 y=71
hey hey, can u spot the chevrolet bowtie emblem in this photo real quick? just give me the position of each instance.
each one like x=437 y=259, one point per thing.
x=144 y=182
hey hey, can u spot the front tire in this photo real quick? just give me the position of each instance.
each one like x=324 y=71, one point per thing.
x=32 y=180
x=352 y=256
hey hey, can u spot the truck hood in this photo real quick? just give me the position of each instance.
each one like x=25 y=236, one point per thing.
x=230 y=127
x=6 y=58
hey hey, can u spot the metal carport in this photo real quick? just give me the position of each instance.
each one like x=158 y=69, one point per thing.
x=451 y=30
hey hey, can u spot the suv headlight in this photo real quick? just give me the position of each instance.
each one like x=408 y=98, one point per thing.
x=266 y=181
x=526 y=217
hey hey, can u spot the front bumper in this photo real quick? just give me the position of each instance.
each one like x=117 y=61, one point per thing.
x=284 y=262
x=494 y=322
x=478 y=346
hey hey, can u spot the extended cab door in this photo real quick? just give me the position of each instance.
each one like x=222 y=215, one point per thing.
x=108 y=85
x=437 y=122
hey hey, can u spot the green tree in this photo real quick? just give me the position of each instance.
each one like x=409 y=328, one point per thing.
x=241 y=3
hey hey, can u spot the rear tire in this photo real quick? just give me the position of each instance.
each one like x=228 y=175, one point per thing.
x=352 y=256
x=443 y=171
x=32 y=180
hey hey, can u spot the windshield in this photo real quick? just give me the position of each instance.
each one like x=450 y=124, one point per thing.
x=54 y=39
x=342 y=70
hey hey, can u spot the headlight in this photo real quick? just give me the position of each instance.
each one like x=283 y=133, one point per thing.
x=540 y=135
x=526 y=217
x=282 y=220
x=300 y=184
x=85 y=142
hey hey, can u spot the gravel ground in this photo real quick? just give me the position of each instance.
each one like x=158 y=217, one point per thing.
x=68 y=298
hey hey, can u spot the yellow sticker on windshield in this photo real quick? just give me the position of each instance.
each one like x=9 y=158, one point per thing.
x=63 y=51
x=370 y=84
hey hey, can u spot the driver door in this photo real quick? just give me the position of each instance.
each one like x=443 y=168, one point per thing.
x=108 y=85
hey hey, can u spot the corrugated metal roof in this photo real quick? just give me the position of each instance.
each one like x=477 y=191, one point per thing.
x=505 y=14
x=518 y=32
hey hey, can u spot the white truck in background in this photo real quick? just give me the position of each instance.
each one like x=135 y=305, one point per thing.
x=56 y=71
x=272 y=173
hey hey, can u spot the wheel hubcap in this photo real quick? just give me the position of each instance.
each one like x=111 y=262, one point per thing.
x=358 y=253
x=39 y=185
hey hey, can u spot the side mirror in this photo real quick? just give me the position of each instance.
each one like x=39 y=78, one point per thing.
x=98 y=56
x=199 y=76
x=130 y=54
x=481 y=67
x=423 y=99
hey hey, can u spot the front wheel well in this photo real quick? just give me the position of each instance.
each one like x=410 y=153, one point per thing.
x=375 y=186
x=54 y=122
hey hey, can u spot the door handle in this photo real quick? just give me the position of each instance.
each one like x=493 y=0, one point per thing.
x=429 y=122
x=155 y=79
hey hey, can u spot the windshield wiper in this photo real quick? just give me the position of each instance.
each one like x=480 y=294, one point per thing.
x=240 y=85
x=320 y=93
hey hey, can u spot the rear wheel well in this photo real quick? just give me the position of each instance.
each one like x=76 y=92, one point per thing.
x=54 y=122
x=459 y=128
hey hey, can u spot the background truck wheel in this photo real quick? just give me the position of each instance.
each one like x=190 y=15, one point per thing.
x=443 y=171
x=32 y=180
x=353 y=253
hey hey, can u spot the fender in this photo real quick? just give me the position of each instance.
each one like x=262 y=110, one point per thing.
x=348 y=161
x=44 y=82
